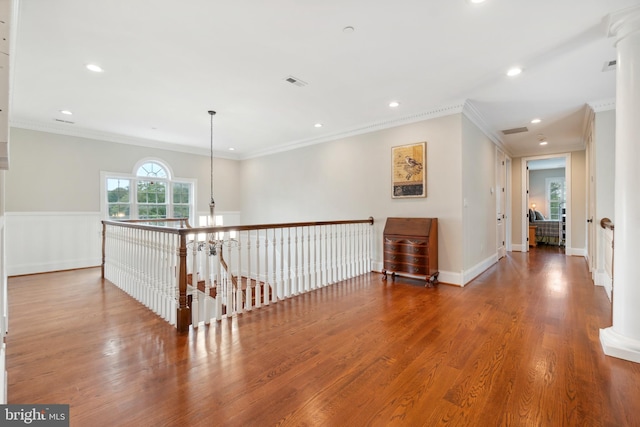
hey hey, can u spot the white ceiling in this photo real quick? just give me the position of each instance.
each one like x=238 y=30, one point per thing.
x=167 y=62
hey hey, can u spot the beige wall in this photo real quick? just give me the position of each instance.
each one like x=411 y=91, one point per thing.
x=478 y=192
x=58 y=173
x=350 y=178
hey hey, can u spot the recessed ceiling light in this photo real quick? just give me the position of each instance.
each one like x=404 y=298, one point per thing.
x=514 y=71
x=535 y=121
x=318 y=125
x=543 y=142
x=231 y=149
x=394 y=104
x=95 y=68
x=348 y=29
x=67 y=112
x=476 y=1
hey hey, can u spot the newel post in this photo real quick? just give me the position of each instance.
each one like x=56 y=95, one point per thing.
x=184 y=312
x=104 y=238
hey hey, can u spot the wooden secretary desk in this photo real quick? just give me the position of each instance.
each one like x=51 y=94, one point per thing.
x=411 y=247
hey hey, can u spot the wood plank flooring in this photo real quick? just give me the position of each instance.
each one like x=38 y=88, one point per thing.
x=516 y=347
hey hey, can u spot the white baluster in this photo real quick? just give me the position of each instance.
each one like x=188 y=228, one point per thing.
x=275 y=283
x=259 y=285
x=283 y=275
x=249 y=288
x=195 y=278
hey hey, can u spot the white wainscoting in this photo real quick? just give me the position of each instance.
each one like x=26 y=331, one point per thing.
x=39 y=242
x=4 y=320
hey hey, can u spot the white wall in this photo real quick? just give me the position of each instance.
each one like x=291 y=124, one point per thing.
x=604 y=130
x=578 y=238
x=350 y=178
x=4 y=304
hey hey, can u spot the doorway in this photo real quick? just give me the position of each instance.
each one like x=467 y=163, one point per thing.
x=547 y=202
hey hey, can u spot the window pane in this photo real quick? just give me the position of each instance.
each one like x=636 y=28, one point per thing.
x=119 y=198
x=151 y=192
x=151 y=199
x=181 y=192
x=152 y=211
x=152 y=169
x=555 y=197
x=181 y=211
x=118 y=190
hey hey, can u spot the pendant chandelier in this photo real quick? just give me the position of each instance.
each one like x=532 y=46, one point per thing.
x=212 y=203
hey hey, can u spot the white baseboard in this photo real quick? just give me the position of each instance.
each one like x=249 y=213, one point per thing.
x=52 y=241
x=576 y=252
x=447 y=277
x=35 y=268
x=616 y=345
x=478 y=269
x=601 y=278
x=453 y=278
x=518 y=248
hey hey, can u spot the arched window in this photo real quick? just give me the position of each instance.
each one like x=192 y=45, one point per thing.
x=150 y=194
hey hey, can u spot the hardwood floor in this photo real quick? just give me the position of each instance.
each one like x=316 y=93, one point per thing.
x=516 y=347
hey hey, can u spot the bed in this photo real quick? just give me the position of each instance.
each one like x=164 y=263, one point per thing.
x=547 y=231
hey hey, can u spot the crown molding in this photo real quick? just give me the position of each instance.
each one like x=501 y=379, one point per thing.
x=602 y=105
x=473 y=114
x=622 y=23
x=592 y=109
x=465 y=107
x=442 y=111
x=112 y=137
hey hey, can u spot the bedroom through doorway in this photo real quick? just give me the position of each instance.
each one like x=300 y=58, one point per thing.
x=547 y=202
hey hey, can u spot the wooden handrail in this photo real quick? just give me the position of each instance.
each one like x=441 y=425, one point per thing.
x=136 y=223
x=606 y=223
x=183 y=309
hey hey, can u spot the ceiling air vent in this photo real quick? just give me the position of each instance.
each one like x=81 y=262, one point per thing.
x=515 y=130
x=295 y=81
x=65 y=121
x=609 y=65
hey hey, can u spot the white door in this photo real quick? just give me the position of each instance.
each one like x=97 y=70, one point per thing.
x=501 y=179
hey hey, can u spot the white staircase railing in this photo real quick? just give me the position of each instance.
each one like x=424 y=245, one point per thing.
x=196 y=275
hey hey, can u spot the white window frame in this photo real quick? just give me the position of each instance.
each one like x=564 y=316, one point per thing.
x=547 y=183
x=134 y=179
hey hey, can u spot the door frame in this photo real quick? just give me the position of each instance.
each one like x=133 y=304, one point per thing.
x=525 y=198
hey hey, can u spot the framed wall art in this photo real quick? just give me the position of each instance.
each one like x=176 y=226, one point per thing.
x=409 y=171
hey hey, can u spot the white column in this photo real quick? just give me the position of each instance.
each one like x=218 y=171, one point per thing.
x=622 y=340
